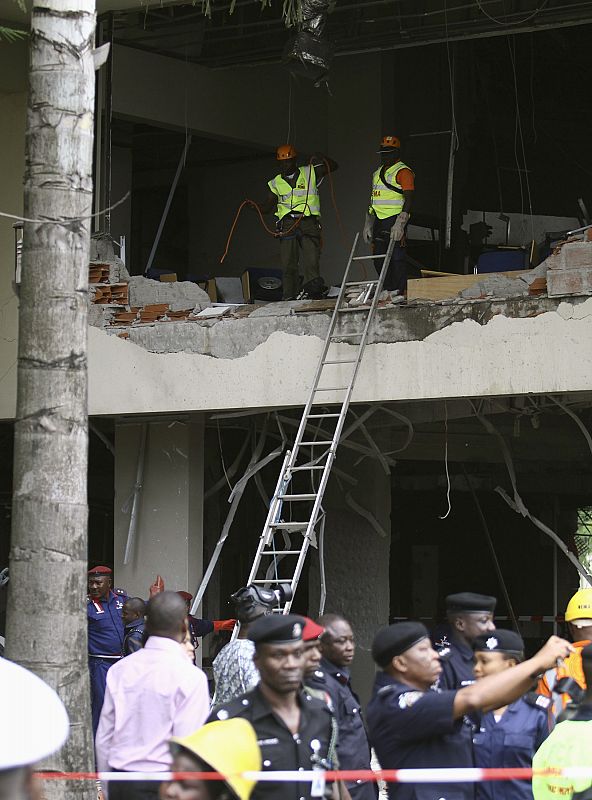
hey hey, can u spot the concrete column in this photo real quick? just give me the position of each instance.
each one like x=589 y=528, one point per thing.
x=169 y=532
x=357 y=560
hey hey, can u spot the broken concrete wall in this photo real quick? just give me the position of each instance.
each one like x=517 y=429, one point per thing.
x=549 y=353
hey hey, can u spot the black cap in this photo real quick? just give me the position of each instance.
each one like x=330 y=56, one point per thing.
x=499 y=641
x=586 y=653
x=395 y=639
x=470 y=602
x=277 y=629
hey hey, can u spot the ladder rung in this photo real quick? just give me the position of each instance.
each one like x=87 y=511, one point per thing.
x=310 y=496
x=361 y=283
x=309 y=444
x=361 y=307
x=273 y=580
x=345 y=335
x=280 y=553
x=331 y=388
x=348 y=361
x=300 y=469
x=282 y=526
x=367 y=258
x=321 y=416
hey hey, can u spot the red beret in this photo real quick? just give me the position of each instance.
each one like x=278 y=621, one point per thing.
x=185 y=595
x=100 y=571
x=311 y=630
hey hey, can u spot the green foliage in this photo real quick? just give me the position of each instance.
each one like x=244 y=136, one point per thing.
x=11 y=35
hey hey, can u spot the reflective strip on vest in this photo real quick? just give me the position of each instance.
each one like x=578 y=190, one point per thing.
x=302 y=199
x=384 y=202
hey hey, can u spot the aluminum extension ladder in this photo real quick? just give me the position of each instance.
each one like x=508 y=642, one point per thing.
x=295 y=514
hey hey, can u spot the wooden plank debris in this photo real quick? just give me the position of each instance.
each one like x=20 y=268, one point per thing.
x=448 y=288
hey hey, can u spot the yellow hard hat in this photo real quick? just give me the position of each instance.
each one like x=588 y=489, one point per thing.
x=580 y=606
x=229 y=747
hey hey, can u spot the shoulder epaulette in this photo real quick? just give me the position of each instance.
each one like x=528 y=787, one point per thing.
x=537 y=700
x=120 y=591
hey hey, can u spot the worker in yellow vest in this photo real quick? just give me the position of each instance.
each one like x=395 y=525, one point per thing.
x=393 y=186
x=294 y=192
x=566 y=683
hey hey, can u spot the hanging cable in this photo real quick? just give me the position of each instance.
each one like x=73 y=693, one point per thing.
x=273 y=232
x=513 y=22
x=290 y=79
x=518 y=131
x=446 y=460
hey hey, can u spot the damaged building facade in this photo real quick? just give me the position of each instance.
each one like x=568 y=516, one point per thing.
x=467 y=445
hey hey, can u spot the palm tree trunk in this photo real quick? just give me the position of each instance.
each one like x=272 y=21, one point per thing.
x=46 y=619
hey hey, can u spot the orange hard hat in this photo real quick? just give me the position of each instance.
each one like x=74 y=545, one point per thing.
x=388 y=143
x=285 y=151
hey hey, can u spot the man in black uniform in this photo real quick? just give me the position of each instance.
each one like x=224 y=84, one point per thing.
x=353 y=751
x=414 y=726
x=468 y=615
x=294 y=730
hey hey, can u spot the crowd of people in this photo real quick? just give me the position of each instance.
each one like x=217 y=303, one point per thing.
x=283 y=702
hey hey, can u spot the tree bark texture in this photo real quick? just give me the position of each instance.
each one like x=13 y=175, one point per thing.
x=46 y=620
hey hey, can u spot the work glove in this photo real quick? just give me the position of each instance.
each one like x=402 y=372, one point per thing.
x=224 y=624
x=368 y=227
x=398 y=228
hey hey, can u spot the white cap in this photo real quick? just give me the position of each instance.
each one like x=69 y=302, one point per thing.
x=34 y=720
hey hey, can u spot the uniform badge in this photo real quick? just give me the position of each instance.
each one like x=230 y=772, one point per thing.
x=407 y=699
x=491 y=643
x=297 y=631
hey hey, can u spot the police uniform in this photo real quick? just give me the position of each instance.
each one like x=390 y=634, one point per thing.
x=134 y=637
x=105 y=642
x=456 y=656
x=313 y=745
x=514 y=738
x=415 y=729
x=353 y=750
x=511 y=742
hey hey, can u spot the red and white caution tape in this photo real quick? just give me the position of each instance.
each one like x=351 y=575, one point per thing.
x=521 y=618
x=468 y=775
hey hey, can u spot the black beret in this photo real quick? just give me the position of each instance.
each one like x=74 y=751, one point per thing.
x=395 y=639
x=586 y=653
x=499 y=641
x=469 y=601
x=277 y=629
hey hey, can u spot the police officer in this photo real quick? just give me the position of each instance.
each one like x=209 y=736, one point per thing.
x=413 y=725
x=508 y=736
x=293 y=729
x=132 y=614
x=353 y=751
x=105 y=633
x=468 y=615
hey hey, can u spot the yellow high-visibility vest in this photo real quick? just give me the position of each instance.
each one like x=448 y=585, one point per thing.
x=300 y=199
x=384 y=201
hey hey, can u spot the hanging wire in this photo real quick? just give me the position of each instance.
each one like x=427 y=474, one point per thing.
x=513 y=22
x=451 y=79
x=288 y=140
x=446 y=460
x=518 y=132
x=532 y=104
